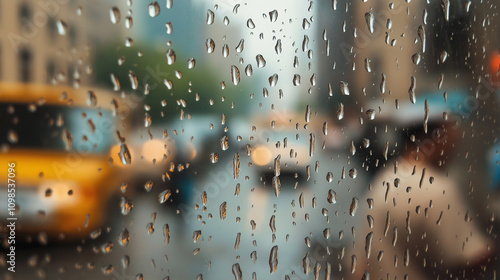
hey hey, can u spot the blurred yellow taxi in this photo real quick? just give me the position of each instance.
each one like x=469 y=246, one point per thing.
x=60 y=140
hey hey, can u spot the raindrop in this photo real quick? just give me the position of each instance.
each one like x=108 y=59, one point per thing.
x=129 y=42
x=329 y=177
x=214 y=157
x=13 y=137
x=382 y=83
x=235 y=75
x=148 y=186
x=238 y=275
x=126 y=206
x=108 y=269
x=62 y=27
x=305 y=24
x=296 y=80
x=273 y=15
x=133 y=80
x=273 y=259
x=273 y=80
x=411 y=90
x=445 y=4
x=68 y=139
x=154 y=9
x=114 y=15
x=224 y=143
x=370 y=21
x=124 y=237
x=278 y=47
x=170 y=55
x=95 y=234
x=225 y=50
x=272 y=224
x=210 y=44
x=250 y=24
x=191 y=63
x=129 y=22
x=276 y=185
x=240 y=46
x=421 y=36
x=416 y=58
x=116 y=83
x=443 y=56
x=340 y=111
x=223 y=210
x=166 y=233
x=261 y=62
x=107 y=247
x=210 y=17
x=196 y=236
x=308 y=113
x=344 y=88
x=354 y=206
x=164 y=196
x=124 y=155
x=249 y=70
x=353 y=173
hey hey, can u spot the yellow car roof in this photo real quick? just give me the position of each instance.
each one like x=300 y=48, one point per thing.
x=54 y=95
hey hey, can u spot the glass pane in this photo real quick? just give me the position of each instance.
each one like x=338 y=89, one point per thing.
x=249 y=140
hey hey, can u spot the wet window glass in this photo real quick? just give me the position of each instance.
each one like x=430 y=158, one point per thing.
x=224 y=139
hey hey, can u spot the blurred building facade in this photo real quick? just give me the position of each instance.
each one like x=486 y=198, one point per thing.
x=51 y=41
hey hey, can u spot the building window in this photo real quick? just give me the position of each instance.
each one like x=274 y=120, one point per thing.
x=52 y=28
x=25 y=58
x=24 y=11
x=51 y=71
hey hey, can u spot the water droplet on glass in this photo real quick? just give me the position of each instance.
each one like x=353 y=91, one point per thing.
x=370 y=21
x=238 y=275
x=445 y=4
x=416 y=58
x=273 y=15
x=170 y=55
x=154 y=9
x=422 y=37
x=344 y=88
x=164 y=196
x=124 y=237
x=223 y=210
x=114 y=15
x=261 y=62
x=273 y=259
x=340 y=111
x=240 y=46
x=273 y=80
x=126 y=206
x=210 y=44
x=443 y=56
x=214 y=157
x=62 y=27
x=296 y=80
x=225 y=50
x=129 y=22
x=210 y=17
x=235 y=75
x=191 y=63
x=411 y=90
x=354 y=206
x=353 y=173
x=329 y=177
x=250 y=24
x=224 y=143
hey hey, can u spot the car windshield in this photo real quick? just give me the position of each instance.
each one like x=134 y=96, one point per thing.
x=53 y=127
